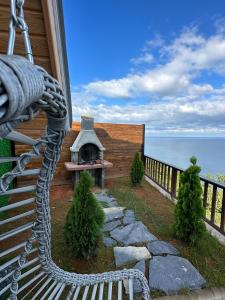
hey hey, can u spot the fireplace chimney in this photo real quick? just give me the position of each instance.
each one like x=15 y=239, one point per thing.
x=86 y=135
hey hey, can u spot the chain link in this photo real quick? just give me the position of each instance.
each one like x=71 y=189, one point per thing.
x=18 y=21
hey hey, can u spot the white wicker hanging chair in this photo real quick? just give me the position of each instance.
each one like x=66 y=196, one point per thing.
x=27 y=269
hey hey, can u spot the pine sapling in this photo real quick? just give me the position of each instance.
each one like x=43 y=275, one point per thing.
x=84 y=220
x=137 y=170
x=189 y=211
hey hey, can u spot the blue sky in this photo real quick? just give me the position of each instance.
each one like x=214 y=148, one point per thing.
x=161 y=63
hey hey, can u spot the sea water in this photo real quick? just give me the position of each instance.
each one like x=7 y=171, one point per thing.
x=210 y=152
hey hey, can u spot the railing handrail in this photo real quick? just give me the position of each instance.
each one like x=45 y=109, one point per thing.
x=202 y=177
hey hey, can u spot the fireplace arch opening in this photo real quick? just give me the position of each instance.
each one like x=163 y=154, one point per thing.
x=88 y=154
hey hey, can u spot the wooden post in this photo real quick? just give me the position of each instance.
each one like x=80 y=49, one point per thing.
x=213 y=209
x=206 y=185
x=222 y=223
x=143 y=143
x=174 y=183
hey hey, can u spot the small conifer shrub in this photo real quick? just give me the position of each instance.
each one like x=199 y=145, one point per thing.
x=137 y=170
x=189 y=211
x=84 y=220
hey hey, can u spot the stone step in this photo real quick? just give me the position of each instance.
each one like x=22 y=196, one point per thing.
x=135 y=233
x=157 y=248
x=171 y=273
x=130 y=254
x=113 y=213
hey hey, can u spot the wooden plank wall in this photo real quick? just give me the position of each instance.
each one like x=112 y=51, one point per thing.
x=42 y=56
x=35 y=20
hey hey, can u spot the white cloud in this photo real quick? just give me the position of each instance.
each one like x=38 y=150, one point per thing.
x=180 y=104
x=188 y=56
x=144 y=58
x=183 y=114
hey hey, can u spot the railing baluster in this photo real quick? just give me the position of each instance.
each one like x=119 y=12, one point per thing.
x=222 y=222
x=154 y=168
x=158 y=165
x=153 y=174
x=213 y=209
x=158 y=170
x=150 y=168
x=168 y=178
x=205 y=195
x=164 y=176
x=174 y=183
x=161 y=174
x=147 y=165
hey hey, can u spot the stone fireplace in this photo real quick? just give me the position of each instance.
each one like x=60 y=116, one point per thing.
x=87 y=153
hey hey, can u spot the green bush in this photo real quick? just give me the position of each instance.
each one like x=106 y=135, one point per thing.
x=5 y=150
x=84 y=220
x=137 y=170
x=189 y=226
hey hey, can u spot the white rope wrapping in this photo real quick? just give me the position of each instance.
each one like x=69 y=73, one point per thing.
x=52 y=101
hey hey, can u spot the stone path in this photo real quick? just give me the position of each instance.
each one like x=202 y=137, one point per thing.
x=135 y=246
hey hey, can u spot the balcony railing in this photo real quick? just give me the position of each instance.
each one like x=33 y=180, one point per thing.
x=167 y=177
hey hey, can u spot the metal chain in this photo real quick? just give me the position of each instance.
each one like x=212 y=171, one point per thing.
x=18 y=21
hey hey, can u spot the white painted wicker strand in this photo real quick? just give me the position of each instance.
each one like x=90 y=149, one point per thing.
x=26 y=89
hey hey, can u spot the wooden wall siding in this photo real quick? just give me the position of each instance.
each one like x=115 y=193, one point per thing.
x=37 y=29
x=35 y=21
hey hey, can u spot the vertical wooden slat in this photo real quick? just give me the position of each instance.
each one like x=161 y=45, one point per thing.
x=146 y=165
x=168 y=182
x=205 y=195
x=151 y=168
x=164 y=176
x=158 y=171
x=222 y=222
x=155 y=170
x=154 y=166
x=174 y=183
x=213 y=209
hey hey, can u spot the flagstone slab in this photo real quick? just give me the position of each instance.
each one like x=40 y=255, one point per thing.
x=103 y=197
x=136 y=284
x=112 y=204
x=125 y=255
x=135 y=233
x=109 y=242
x=172 y=273
x=129 y=217
x=162 y=248
x=111 y=225
x=113 y=213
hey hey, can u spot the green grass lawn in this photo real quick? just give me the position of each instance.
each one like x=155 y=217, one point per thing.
x=157 y=213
